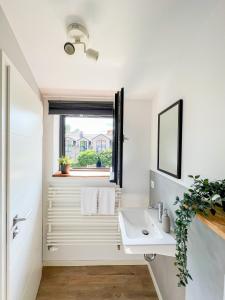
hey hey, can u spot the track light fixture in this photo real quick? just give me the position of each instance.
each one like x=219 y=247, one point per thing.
x=79 y=34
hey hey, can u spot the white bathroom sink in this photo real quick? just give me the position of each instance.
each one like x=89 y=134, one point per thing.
x=142 y=233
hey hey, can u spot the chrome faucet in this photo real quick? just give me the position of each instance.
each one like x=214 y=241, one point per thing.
x=160 y=212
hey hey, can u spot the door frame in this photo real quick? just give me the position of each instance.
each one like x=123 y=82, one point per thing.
x=4 y=89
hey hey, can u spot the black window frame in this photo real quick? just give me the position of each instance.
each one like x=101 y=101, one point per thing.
x=62 y=136
x=118 y=139
x=92 y=109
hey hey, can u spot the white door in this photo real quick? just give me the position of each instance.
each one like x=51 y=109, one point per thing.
x=24 y=189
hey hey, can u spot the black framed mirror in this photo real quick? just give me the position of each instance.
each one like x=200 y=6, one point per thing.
x=170 y=139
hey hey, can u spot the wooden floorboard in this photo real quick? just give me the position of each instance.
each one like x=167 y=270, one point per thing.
x=96 y=283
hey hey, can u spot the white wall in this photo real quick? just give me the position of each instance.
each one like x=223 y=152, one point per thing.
x=10 y=46
x=135 y=176
x=197 y=76
x=136 y=157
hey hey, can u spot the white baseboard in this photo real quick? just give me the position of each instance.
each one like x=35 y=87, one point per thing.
x=154 y=282
x=92 y=262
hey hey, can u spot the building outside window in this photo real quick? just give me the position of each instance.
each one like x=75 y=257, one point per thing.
x=68 y=146
x=100 y=145
x=83 y=145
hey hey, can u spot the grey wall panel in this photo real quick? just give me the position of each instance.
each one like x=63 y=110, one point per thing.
x=165 y=190
x=165 y=275
x=206 y=261
x=206 y=253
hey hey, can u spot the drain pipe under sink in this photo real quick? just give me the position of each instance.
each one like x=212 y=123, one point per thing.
x=149 y=257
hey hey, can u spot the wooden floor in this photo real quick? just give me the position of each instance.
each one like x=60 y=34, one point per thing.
x=96 y=283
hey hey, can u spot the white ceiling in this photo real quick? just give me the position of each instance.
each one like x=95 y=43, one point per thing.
x=138 y=41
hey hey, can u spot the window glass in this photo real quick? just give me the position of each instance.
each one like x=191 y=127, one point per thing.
x=88 y=141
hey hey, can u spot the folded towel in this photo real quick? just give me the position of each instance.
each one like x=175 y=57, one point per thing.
x=106 y=201
x=88 y=201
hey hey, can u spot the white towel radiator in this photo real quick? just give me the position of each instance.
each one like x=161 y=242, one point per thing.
x=66 y=225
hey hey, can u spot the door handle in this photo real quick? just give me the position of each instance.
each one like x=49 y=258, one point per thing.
x=15 y=232
x=16 y=220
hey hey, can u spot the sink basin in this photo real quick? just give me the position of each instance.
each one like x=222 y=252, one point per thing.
x=142 y=233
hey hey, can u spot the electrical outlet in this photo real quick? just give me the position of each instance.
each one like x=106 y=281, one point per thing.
x=152 y=184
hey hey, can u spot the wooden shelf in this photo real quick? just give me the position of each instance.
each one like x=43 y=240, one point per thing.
x=59 y=174
x=215 y=223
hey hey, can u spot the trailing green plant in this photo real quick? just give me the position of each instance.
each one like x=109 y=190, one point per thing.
x=65 y=160
x=203 y=197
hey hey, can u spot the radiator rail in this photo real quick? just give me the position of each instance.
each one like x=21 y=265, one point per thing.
x=66 y=226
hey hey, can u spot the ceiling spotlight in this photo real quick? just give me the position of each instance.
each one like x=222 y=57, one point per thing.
x=93 y=54
x=80 y=36
x=69 y=48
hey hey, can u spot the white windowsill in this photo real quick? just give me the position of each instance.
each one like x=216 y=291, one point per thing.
x=84 y=174
x=90 y=173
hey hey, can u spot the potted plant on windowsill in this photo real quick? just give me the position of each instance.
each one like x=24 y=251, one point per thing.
x=65 y=163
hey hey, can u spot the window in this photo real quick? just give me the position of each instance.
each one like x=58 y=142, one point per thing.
x=91 y=133
x=101 y=145
x=83 y=146
x=86 y=141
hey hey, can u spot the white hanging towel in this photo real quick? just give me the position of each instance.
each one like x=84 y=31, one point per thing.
x=88 y=201
x=106 y=201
